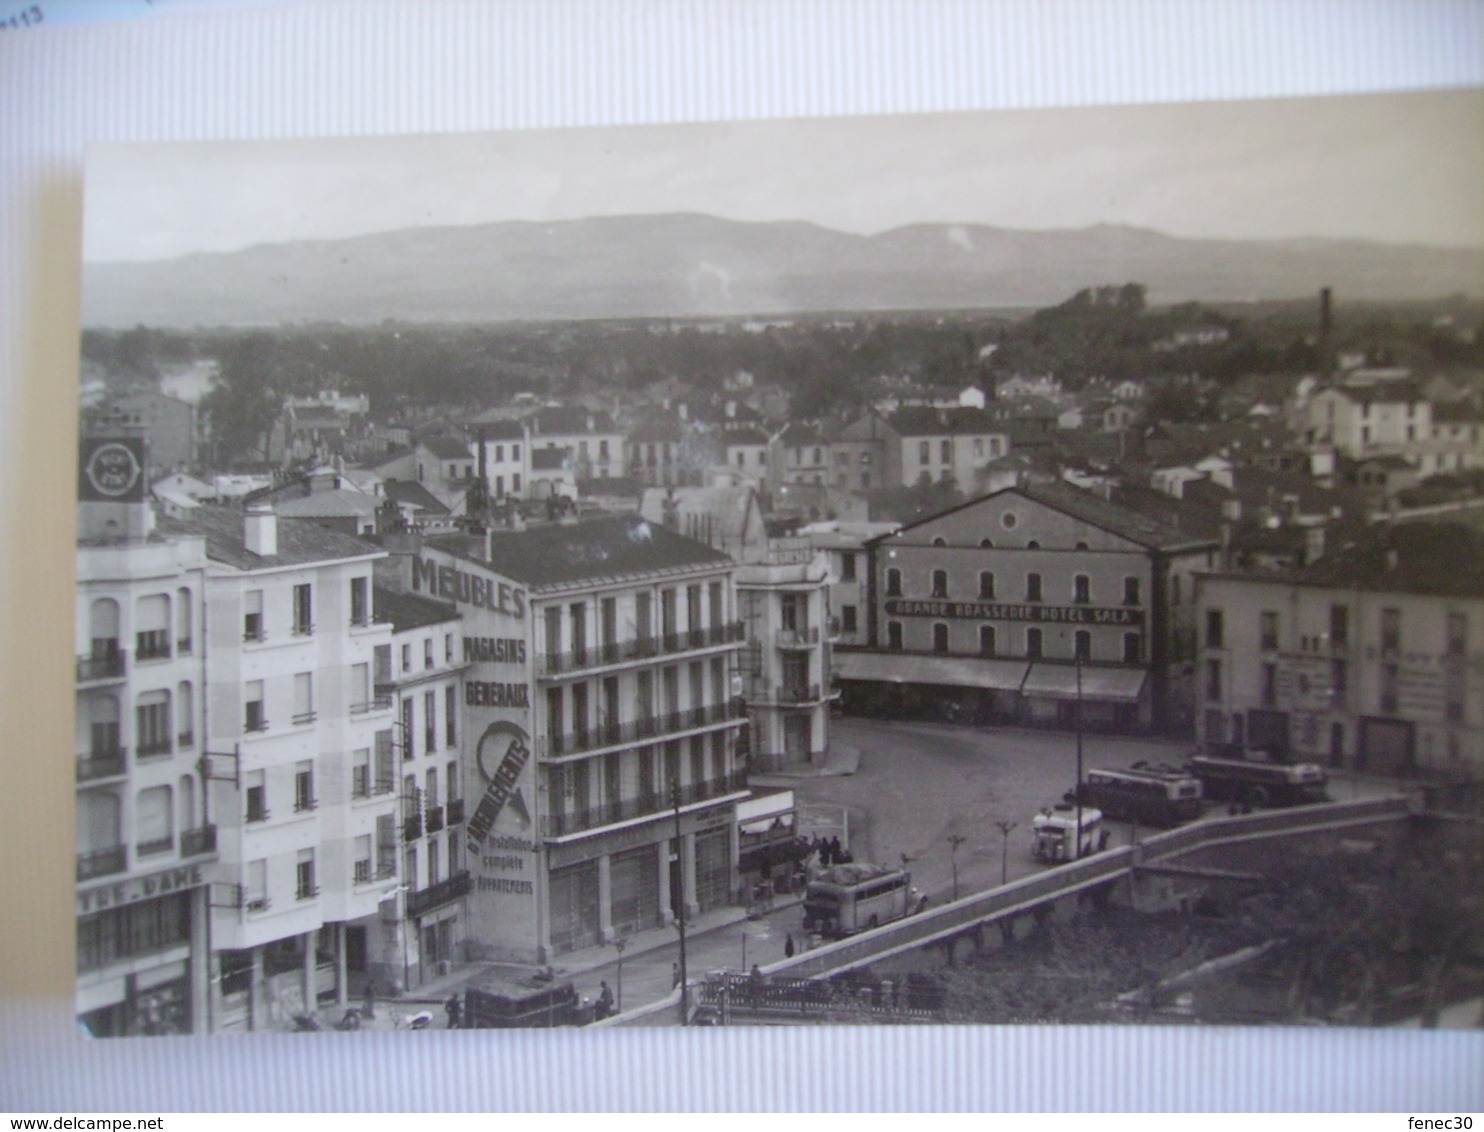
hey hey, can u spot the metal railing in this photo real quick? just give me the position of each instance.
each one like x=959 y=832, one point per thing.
x=639 y=648
x=639 y=730
x=944 y=922
x=424 y=900
x=109 y=666
x=102 y=764
x=102 y=862
x=154 y=748
x=642 y=805
x=798 y=638
x=454 y=811
x=154 y=845
x=194 y=842
x=377 y=703
x=433 y=819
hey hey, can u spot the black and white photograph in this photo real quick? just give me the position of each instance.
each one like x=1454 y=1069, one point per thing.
x=983 y=568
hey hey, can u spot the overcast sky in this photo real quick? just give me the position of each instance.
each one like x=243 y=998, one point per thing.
x=1397 y=168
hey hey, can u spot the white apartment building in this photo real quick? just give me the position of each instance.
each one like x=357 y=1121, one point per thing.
x=506 y=459
x=422 y=670
x=146 y=843
x=298 y=756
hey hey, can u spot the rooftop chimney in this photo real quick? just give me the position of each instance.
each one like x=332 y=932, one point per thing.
x=260 y=530
x=1326 y=333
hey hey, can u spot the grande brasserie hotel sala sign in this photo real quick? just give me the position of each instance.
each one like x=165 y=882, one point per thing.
x=1007 y=611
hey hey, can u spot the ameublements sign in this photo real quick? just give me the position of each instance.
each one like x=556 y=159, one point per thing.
x=1001 y=611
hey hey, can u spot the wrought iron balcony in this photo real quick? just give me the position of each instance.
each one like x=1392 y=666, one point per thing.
x=378 y=703
x=154 y=845
x=102 y=764
x=639 y=730
x=424 y=900
x=195 y=842
x=107 y=666
x=644 y=805
x=798 y=638
x=797 y=693
x=412 y=828
x=455 y=811
x=102 y=862
x=639 y=648
x=154 y=748
x=433 y=819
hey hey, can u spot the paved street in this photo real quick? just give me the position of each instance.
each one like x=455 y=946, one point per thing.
x=916 y=785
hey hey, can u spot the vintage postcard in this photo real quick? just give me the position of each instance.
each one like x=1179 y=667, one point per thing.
x=997 y=567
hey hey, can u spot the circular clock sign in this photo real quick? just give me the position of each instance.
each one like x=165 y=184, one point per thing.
x=113 y=470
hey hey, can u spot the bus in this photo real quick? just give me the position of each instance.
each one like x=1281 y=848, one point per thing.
x=1156 y=795
x=1055 y=830
x=511 y=1004
x=845 y=899
x=1260 y=784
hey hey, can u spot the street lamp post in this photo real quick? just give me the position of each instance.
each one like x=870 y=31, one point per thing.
x=680 y=904
x=619 y=944
x=955 y=840
x=1005 y=827
x=1077 y=846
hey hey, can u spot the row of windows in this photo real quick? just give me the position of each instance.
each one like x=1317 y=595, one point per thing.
x=699 y=602
x=153 y=733
x=159 y=813
x=1034 y=588
x=429 y=736
x=1388 y=695
x=645 y=773
x=439 y=850
x=1338 y=637
x=991 y=641
x=155 y=637
x=609 y=696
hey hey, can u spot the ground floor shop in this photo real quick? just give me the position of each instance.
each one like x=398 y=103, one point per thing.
x=604 y=886
x=993 y=692
x=1371 y=743
x=142 y=966
x=268 y=986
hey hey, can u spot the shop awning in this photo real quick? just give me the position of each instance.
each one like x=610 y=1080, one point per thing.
x=914 y=668
x=1059 y=682
x=770 y=854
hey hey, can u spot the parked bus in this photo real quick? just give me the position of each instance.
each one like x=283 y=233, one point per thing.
x=1260 y=784
x=845 y=899
x=1056 y=829
x=504 y=1004
x=1155 y=795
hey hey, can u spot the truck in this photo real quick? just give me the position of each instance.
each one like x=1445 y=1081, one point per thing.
x=1055 y=830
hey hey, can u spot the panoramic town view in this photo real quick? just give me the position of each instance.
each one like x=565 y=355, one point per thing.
x=656 y=618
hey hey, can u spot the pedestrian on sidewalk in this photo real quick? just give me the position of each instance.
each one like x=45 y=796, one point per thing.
x=674 y=975
x=788 y=946
x=605 y=1002
x=453 y=1010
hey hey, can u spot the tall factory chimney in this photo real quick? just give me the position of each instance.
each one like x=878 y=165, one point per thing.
x=1326 y=335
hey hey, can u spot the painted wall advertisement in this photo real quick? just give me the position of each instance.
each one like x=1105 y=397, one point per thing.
x=500 y=774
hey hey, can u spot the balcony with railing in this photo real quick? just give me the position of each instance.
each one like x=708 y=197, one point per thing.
x=433 y=819
x=101 y=764
x=650 y=804
x=424 y=900
x=96 y=863
x=154 y=748
x=105 y=666
x=454 y=811
x=154 y=846
x=376 y=703
x=641 y=730
x=798 y=638
x=198 y=841
x=639 y=649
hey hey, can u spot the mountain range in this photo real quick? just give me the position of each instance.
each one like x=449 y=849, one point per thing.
x=685 y=265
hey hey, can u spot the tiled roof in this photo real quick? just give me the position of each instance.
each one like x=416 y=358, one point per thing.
x=1433 y=559
x=560 y=420
x=299 y=544
x=922 y=420
x=411 y=493
x=1397 y=390
x=741 y=436
x=447 y=448
x=1127 y=521
x=560 y=554
x=329 y=505
x=409 y=611
x=500 y=430
x=797 y=435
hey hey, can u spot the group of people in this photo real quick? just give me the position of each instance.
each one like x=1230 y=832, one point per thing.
x=829 y=852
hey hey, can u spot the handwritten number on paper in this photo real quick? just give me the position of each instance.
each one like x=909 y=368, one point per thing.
x=30 y=17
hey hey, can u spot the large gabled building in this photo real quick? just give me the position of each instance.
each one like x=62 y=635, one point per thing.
x=1017 y=606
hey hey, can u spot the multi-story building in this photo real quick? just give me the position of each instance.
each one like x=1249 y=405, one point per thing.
x=297 y=754
x=506 y=460
x=602 y=730
x=169 y=426
x=146 y=843
x=597 y=444
x=844 y=547
x=422 y=671
x=1373 y=657
x=1024 y=604
x=802 y=455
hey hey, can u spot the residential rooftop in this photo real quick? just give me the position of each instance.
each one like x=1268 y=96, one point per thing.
x=409 y=611
x=299 y=544
x=562 y=554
